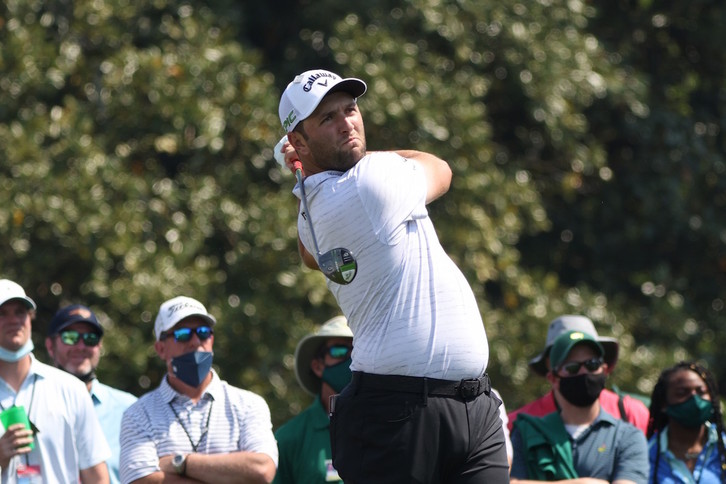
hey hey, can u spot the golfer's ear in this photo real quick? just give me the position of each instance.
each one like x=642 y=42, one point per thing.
x=298 y=142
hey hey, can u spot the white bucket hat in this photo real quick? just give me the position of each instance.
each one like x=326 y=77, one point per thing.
x=306 y=348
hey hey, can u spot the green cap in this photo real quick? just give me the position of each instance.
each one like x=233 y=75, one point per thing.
x=566 y=341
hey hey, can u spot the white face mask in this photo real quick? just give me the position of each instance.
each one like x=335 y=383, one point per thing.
x=14 y=356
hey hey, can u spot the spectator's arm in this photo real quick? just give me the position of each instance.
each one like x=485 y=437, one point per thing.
x=242 y=467
x=97 y=474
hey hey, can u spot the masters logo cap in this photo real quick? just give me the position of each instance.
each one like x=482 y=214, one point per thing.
x=564 y=343
x=568 y=322
x=12 y=290
x=176 y=309
x=305 y=92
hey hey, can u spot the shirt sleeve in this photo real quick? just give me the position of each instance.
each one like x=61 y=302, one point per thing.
x=632 y=458
x=257 y=424
x=139 y=455
x=93 y=449
x=393 y=191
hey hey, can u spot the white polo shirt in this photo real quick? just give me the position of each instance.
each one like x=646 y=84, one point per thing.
x=411 y=310
x=69 y=436
x=164 y=422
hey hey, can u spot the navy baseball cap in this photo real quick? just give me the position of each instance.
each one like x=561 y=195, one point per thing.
x=76 y=313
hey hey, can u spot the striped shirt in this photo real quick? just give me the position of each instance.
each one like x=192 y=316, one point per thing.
x=410 y=308
x=163 y=422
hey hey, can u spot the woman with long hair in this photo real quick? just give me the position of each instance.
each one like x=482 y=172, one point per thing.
x=685 y=431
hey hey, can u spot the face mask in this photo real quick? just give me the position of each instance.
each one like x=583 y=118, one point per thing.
x=692 y=413
x=338 y=375
x=14 y=356
x=193 y=367
x=582 y=390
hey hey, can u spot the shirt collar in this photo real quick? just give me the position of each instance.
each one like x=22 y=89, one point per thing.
x=98 y=393
x=214 y=389
x=663 y=437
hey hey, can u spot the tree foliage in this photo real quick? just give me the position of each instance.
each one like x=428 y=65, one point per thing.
x=136 y=165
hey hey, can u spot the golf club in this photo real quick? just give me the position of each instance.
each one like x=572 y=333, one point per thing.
x=339 y=264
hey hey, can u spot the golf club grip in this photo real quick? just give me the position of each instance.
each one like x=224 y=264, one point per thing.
x=297 y=165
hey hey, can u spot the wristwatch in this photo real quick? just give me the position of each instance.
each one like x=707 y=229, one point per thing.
x=179 y=463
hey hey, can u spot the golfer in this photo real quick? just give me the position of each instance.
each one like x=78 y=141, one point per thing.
x=419 y=407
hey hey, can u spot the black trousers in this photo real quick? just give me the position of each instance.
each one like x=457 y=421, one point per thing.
x=391 y=429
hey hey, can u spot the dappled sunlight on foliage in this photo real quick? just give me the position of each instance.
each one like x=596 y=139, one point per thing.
x=136 y=164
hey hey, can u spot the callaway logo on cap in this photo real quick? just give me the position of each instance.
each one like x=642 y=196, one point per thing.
x=305 y=92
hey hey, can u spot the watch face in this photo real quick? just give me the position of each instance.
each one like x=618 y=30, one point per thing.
x=178 y=461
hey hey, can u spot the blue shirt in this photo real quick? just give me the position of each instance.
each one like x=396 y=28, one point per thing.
x=110 y=404
x=674 y=471
x=69 y=435
x=610 y=449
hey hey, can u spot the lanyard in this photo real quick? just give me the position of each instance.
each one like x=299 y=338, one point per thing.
x=30 y=406
x=32 y=395
x=205 y=430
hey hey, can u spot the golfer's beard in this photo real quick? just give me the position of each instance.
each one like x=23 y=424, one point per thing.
x=345 y=160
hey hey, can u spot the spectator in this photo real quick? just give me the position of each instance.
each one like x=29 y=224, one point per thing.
x=620 y=406
x=582 y=442
x=686 y=428
x=195 y=427
x=421 y=351
x=67 y=439
x=322 y=368
x=74 y=344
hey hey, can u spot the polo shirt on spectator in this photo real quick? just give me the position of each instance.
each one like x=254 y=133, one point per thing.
x=225 y=419
x=609 y=449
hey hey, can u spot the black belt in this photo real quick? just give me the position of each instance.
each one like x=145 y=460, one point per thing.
x=466 y=389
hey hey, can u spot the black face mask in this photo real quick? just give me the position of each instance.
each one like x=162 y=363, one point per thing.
x=582 y=390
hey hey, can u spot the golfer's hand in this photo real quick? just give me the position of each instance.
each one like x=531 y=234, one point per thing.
x=285 y=154
x=13 y=442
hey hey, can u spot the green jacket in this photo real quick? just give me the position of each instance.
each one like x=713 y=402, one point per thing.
x=548 y=449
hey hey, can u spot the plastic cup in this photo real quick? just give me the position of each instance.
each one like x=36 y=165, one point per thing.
x=14 y=415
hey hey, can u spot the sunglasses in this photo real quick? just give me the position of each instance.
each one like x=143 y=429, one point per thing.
x=573 y=367
x=338 y=351
x=71 y=337
x=182 y=335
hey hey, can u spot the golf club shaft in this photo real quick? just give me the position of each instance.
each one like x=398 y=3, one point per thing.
x=298 y=175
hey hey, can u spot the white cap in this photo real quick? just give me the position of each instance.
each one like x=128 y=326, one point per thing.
x=176 y=309
x=305 y=92
x=12 y=290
